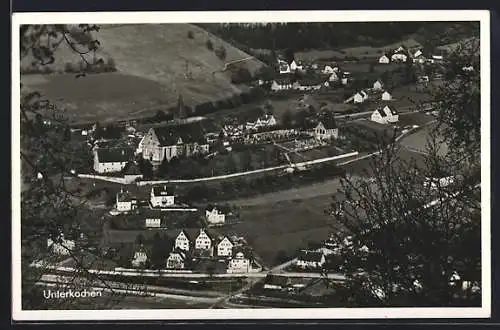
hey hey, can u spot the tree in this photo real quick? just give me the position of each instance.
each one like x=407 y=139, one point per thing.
x=209 y=44
x=408 y=239
x=190 y=34
x=246 y=160
x=145 y=167
x=157 y=252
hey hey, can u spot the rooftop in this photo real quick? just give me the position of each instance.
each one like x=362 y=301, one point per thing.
x=311 y=256
x=114 y=155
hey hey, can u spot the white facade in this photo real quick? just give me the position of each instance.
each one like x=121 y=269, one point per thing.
x=215 y=216
x=311 y=263
x=225 y=248
x=182 y=242
x=283 y=67
x=399 y=57
x=384 y=116
x=384 y=59
x=239 y=264
x=203 y=241
x=125 y=205
x=327 y=69
x=295 y=66
x=360 y=97
x=386 y=96
x=140 y=145
x=107 y=167
x=153 y=222
x=163 y=199
x=63 y=248
x=333 y=77
x=281 y=86
x=322 y=133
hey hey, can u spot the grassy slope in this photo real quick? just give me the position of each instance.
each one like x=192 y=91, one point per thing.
x=151 y=60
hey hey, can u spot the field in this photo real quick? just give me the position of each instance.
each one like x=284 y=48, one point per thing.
x=415 y=118
x=180 y=65
x=418 y=141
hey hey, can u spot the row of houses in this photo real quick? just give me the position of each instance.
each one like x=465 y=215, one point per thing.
x=309 y=83
x=189 y=245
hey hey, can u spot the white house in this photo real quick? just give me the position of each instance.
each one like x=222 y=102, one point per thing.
x=296 y=66
x=140 y=258
x=225 y=247
x=215 y=216
x=239 y=264
x=386 y=96
x=176 y=259
x=152 y=222
x=109 y=160
x=203 y=241
x=333 y=77
x=167 y=142
x=160 y=197
x=64 y=247
x=360 y=97
x=283 y=67
x=182 y=241
x=385 y=115
x=346 y=77
x=125 y=202
x=384 y=59
x=310 y=259
x=378 y=85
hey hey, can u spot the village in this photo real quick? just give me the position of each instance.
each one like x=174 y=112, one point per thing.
x=331 y=114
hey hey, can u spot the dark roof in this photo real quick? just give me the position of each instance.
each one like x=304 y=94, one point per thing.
x=125 y=196
x=114 y=155
x=188 y=132
x=312 y=256
x=161 y=191
x=180 y=252
x=283 y=80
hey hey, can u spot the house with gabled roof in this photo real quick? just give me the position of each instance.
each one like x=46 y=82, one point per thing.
x=400 y=55
x=386 y=96
x=161 y=197
x=360 y=97
x=166 y=142
x=385 y=115
x=216 y=215
x=125 y=201
x=111 y=160
x=203 y=241
x=239 y=264
x=323 y=128
x=310 y=259
x=61 y=246
x=225 y=247
x=176 y=259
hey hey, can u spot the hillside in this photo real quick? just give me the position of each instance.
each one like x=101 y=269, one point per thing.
x=155 y=63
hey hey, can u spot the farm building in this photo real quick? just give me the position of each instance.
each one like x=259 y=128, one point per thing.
x=400 y=55
x=385 y=115
x=160 y=197
x=111 y=160
x=167 y=142
x=310 y=259
x=384 y=59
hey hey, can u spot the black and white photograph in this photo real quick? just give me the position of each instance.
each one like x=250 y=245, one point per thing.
x=251 y=165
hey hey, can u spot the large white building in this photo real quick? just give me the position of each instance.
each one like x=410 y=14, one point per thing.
x=225 y=247
x=385 y=115
x=215 y=216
